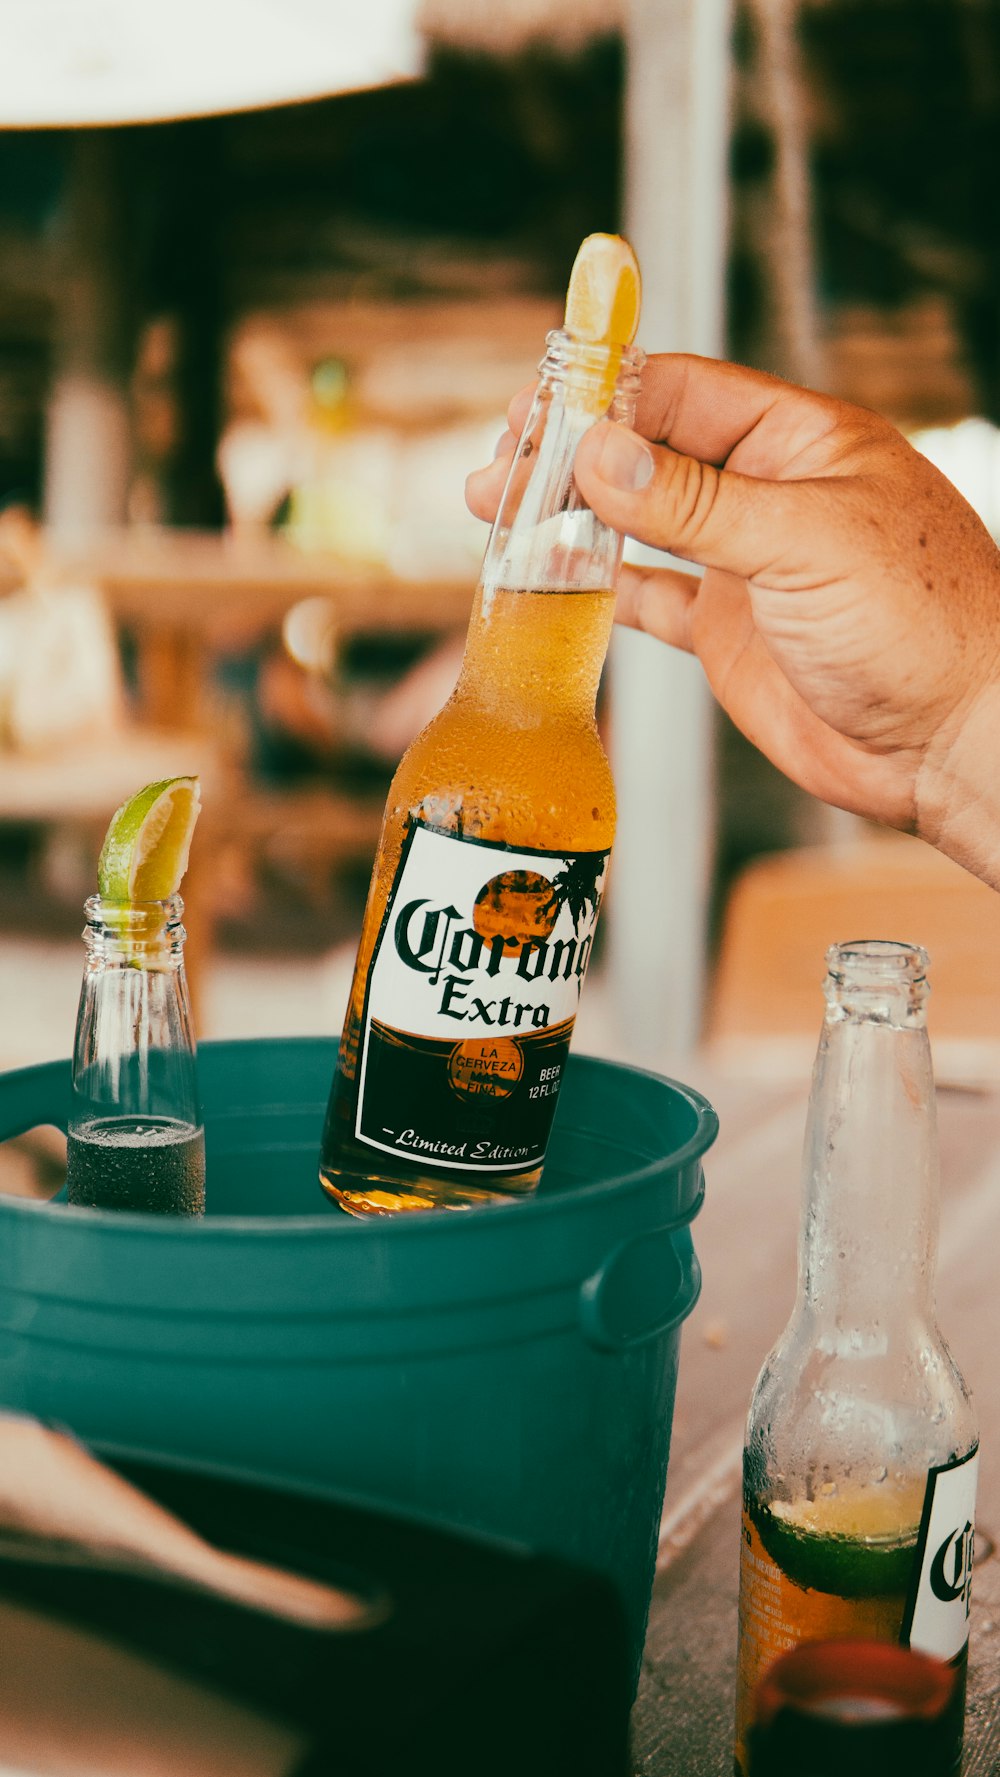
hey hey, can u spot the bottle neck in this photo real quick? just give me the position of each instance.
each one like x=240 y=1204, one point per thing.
x=869 y=1229
x=542 y=618
x=134 y=1052
x=536 y=658
x=545 y=538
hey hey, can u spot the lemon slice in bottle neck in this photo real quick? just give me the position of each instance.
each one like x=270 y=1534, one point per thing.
x=604 y=292
x=603 y=299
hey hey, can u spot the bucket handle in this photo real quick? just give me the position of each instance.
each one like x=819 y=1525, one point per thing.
x=644 y=1289
x=30 y=1096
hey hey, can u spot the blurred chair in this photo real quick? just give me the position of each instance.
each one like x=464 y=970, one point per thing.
x=784 y=911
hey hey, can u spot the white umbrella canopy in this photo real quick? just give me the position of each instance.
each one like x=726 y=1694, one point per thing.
x=92 y=62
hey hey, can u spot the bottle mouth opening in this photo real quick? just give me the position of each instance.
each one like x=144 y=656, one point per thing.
x=132 y=929
x=123 y=914
x=593 y=360
x=876 y=969
x=880 y=961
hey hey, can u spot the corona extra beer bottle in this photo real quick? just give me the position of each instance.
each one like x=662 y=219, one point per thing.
x=860 y=1461
x=498 y=827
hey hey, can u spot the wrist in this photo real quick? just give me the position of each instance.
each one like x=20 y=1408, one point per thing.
x=957 y=790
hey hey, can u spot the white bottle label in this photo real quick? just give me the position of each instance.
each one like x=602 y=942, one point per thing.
x=472 y=993
x=937 y=1621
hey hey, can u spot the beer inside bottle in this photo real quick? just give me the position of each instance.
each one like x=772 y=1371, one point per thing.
x=857 y=1563
x=861 y=1453
x=494 y=850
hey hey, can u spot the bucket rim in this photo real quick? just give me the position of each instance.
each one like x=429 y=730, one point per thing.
x=418 y=1225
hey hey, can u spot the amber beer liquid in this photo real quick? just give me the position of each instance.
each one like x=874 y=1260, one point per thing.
x=861 y=1454
x=493 y=856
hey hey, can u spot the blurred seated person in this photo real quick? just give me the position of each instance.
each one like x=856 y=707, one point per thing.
x=352 y=710
x=60 y=671
x=298 y=456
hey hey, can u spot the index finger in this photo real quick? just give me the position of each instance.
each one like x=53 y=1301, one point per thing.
x=520 y=407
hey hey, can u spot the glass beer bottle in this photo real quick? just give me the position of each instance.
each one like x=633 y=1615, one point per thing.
x=860 y=1460
x=492 y=860
x=135 y=1137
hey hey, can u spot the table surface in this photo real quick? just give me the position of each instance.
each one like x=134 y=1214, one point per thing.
x=746 y=1238
x=208 y=581
x=185 y=595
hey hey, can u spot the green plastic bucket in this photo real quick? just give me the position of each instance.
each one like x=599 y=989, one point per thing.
x=509 y=1369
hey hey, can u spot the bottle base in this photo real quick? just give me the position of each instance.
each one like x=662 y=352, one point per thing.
x=376 y=1195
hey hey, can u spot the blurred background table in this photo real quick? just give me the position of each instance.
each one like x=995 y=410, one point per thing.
x=182 y=601
x=182 y=596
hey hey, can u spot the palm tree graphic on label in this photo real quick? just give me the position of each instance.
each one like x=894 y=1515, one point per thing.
x=522 y=906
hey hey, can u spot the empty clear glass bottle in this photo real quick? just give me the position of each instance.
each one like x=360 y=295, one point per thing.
x=135 y=1137
x=860 y=1459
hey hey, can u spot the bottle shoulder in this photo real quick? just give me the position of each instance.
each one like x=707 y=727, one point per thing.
x=475 y=726
x=901 y=1360
x=841 y=1401
x=547 y=785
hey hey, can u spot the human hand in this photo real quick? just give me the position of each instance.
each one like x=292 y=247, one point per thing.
x=848 y=619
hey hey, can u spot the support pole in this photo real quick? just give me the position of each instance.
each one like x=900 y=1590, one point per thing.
x=88 y=433
x=677 y=138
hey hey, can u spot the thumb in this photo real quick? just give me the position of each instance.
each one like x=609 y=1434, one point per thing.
x=692 y=509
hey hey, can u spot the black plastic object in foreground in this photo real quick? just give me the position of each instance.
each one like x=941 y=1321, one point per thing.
x=480 y=1658
x=857 y=1708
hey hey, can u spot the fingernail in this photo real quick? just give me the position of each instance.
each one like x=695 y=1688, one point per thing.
x=624 y=461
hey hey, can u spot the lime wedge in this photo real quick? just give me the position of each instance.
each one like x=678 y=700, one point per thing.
x=146 y=847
